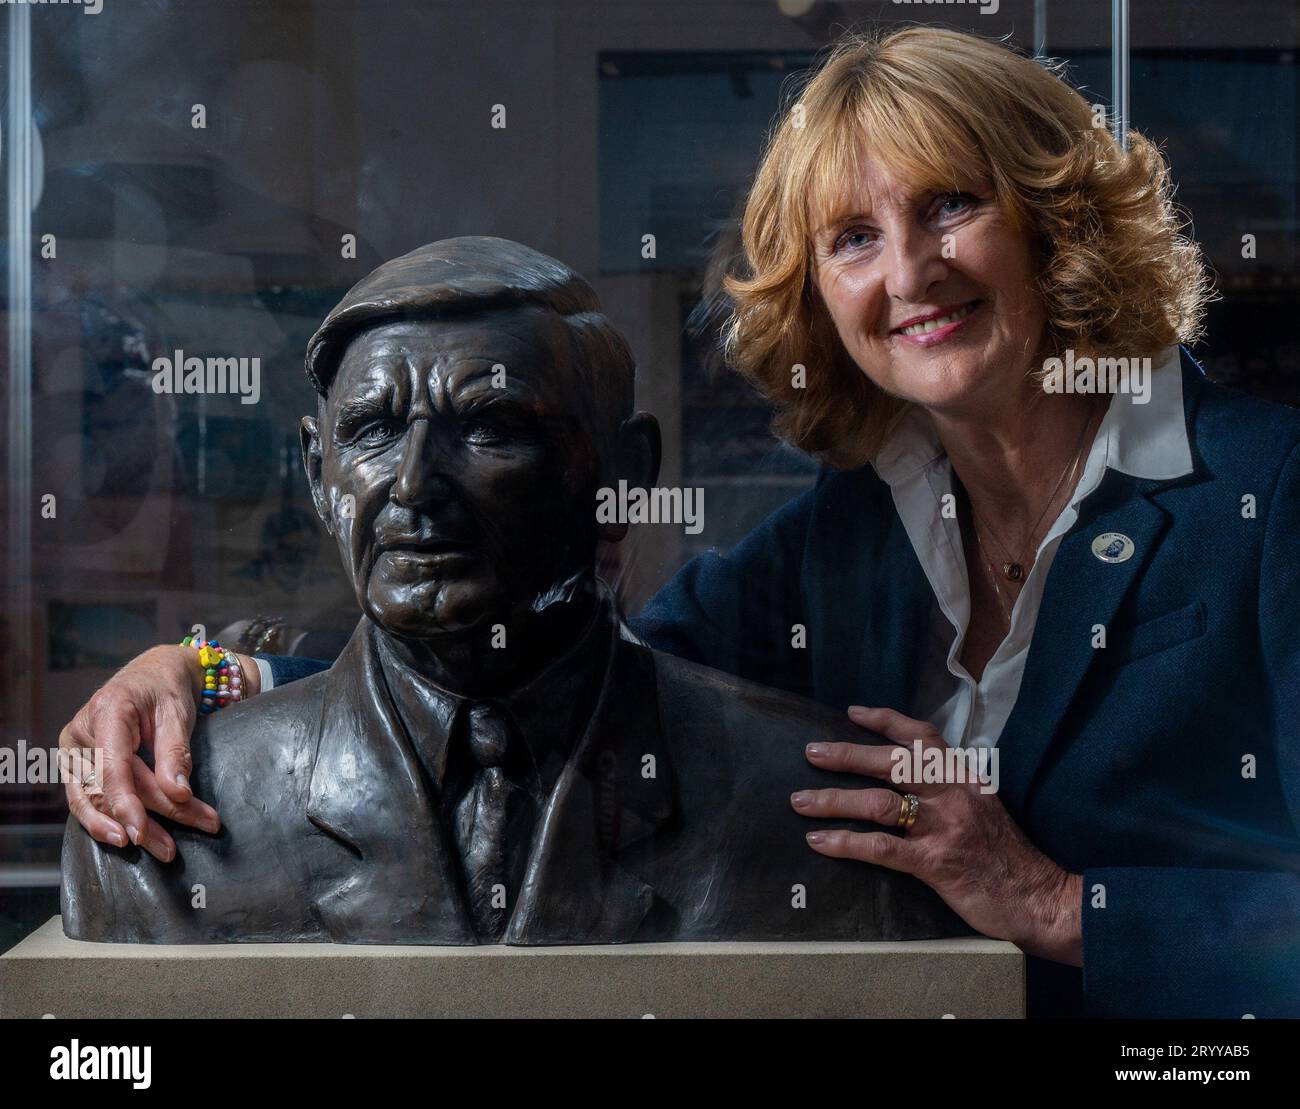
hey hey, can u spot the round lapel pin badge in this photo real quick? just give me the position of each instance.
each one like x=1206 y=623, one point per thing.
x=1113 y=546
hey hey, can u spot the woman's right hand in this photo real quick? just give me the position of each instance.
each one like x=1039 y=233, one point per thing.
x=150 y=703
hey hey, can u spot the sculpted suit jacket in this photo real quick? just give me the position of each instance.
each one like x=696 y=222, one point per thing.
x=330 y=832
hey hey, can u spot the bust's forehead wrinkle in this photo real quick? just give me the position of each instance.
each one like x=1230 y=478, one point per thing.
x=443 y=363
x=444 y=381
x=363 y=391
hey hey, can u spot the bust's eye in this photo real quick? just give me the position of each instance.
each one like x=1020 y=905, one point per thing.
x=482 y=432
x=375 y=433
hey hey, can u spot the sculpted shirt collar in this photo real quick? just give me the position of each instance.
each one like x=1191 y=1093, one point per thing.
x=1142 y=440
x=551 y=711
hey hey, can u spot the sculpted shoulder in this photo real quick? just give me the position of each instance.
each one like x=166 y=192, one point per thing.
x=252 y=761
x=270 y=739
x=744 y=711
x=731 y=738
x=738 y=855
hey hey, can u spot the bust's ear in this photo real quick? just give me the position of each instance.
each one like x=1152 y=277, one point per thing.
x=309 y=441
x=637 y=458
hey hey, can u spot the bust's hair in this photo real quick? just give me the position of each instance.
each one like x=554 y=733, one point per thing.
x=470 y=275
x=1115 y=275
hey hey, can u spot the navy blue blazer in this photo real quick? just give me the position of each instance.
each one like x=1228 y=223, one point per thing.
x=1164 y=767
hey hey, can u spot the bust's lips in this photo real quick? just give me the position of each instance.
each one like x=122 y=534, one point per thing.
x=431 y=551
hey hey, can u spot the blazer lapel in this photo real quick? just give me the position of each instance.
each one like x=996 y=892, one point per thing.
x=394 y=882
x=898 y=622
x=880 y=598
x=576 y=890
x=1082 y=591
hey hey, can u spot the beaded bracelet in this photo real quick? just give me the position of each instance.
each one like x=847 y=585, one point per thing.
x=223 y=680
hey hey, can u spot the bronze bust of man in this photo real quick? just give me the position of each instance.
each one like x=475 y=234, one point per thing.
x=491 y=759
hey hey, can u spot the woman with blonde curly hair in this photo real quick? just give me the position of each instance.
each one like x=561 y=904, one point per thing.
x=1040 y=534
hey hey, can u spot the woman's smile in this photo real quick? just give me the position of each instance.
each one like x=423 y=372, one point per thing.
x=937 y=326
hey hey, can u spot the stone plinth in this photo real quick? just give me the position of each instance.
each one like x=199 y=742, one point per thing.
x=49 y=973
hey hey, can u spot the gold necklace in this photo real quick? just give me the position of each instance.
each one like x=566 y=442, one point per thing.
x=1003 y=607
x=1013 y=569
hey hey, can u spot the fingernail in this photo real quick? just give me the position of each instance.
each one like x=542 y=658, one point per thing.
x=815 y=837
x=858 y=710
x=801 y=800
x=134 y=834
x=817 y=750
x=210 y=826
x=182 y=781
x=118 y=839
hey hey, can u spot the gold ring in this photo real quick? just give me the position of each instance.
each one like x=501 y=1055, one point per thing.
x=910 y=805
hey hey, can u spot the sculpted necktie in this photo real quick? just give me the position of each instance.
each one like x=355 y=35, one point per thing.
x=493 y=819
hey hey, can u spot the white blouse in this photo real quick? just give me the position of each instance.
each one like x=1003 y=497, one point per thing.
x=1144 y=440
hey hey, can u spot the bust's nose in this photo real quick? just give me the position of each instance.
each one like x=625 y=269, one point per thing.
x=420 y=478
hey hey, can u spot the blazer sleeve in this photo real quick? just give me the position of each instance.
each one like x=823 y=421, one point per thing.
x=1175 y=942
x=287 y=668
x=740 y=611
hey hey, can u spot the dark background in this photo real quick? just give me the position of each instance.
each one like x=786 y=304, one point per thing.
x=340 y=117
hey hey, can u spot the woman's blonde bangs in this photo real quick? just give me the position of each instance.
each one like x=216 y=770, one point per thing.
x=915 y=140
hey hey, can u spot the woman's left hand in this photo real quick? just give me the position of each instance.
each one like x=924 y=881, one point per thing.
x=963 y=844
